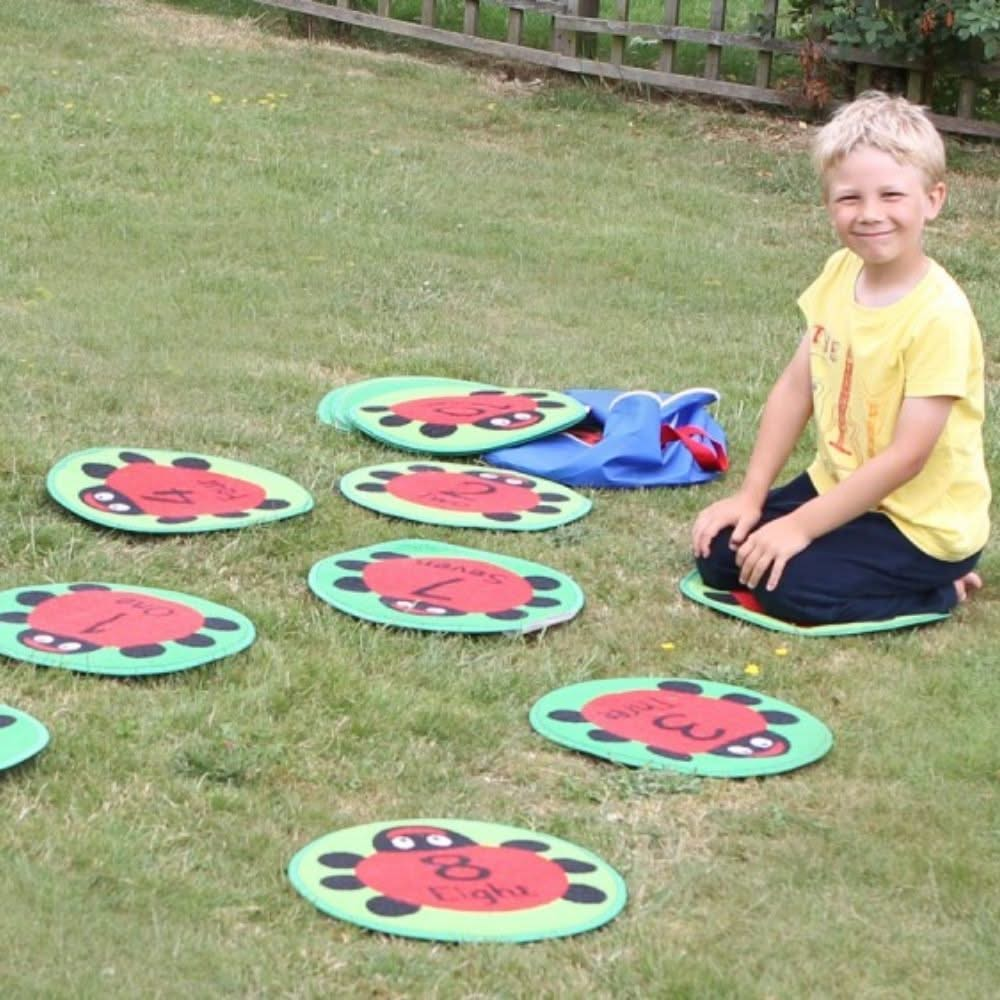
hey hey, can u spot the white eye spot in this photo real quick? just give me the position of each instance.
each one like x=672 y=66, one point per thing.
x=488 y=475
x=104 y=496
x=402 y=843
x=405 y=605
x=439 y=840
x=500 y=422
x=514 y=482
x=762 y=743
x=45 y=640
x=69 y=647
x=523 y=416
x=118 y=508
x=739 y=751
x=436 y=611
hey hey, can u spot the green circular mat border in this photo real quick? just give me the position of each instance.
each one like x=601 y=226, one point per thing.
x=107 y=662
x=68 y=467
x=693 y=587
x=334 y=408
x=32 y=738
x=420 y=548
x=357 y=839
x=579 y=505
x=407 y=439
x=818 y=739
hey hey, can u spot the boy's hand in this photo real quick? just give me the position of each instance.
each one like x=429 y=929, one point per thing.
x=738 y=512
x=770 y=548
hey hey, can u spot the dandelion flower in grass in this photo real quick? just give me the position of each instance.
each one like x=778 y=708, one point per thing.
x=667 y=646
x=752 y=669
x=781 y=651
x=215 y=99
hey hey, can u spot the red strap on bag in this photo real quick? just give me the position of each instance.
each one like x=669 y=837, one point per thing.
x=710 y=454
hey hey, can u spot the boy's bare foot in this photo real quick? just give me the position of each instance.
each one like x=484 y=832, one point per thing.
x=966 y=584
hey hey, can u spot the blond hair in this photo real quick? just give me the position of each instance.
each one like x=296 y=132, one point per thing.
x=890 y=124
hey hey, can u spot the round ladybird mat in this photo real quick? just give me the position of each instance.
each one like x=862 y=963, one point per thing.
x=150 y=490
x=692 y=726
x=463 y=496
x=465 y=420
x=457 y=880
x=335 y=407
x=21 y=737
x=424 y=584
x=742 y=604
x=118 y=630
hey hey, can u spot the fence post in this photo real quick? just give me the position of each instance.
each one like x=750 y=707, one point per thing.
x=713 y=53
x=515 y=25
x=618 y=41
x=427 y=12
x=344 y=30
x=966 y=98
x=578 y=43
x=470 y=24
x=862 y=78
x=671 y=15
x=915 y=86
x=762 y=75
x=383 y=8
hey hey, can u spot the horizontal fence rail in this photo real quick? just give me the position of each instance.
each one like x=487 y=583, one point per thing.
x=576 y=32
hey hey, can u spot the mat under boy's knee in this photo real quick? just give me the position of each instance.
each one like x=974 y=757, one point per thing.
x=743 y=605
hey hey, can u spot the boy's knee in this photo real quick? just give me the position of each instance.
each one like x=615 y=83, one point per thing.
x=718 y=569
x=785 y=604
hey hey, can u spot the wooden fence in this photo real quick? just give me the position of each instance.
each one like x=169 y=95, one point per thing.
x=575 y=46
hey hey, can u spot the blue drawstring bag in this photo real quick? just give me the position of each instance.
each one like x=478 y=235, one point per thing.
x=629 y=440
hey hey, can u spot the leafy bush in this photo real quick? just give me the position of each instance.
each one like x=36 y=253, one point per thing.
x=946 y=33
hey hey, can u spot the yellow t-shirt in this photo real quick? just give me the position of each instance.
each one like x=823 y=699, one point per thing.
x=864 y=361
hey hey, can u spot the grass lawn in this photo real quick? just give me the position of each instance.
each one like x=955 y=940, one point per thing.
x=206 y=227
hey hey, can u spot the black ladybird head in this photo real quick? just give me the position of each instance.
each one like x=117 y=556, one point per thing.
x=413 y=606
x=106 y=499
x=418 y=838
x=763 y=744
x=510 y=421
x=50 y=642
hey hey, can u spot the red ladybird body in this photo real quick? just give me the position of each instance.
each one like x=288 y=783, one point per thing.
x=497 y=411
x=485 y=493
x=681 y=722
x=172 y=491
x=417 y=866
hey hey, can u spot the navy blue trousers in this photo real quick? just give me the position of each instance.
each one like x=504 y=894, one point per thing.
x=865 y=570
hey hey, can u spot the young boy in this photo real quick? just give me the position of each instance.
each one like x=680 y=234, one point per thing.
x=892 y=514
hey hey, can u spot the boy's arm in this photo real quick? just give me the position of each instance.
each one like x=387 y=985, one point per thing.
x=786 y=413
x=918 y=427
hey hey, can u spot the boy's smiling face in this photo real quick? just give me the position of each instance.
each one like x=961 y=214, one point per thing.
x=879 y=207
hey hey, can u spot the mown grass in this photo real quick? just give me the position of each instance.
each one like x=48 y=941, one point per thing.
x=207 y=227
